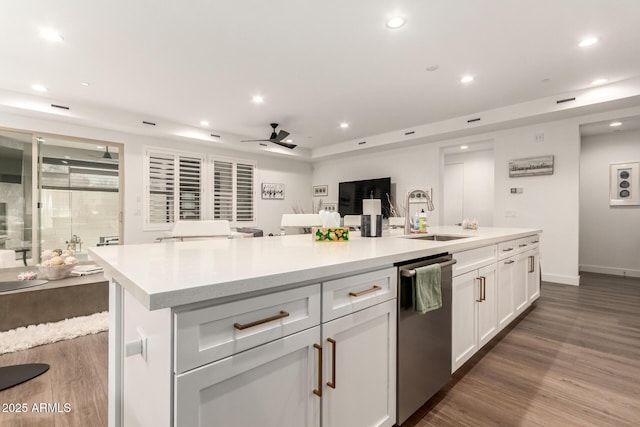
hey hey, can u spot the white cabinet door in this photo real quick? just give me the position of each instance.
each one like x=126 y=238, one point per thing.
x=506 y=304
x=360 y=368
x=269 y=386
x=487 y=308
x=533 y=274
x=465 y=292
x=520 y=297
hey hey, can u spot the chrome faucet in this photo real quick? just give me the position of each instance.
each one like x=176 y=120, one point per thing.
x=415 y=194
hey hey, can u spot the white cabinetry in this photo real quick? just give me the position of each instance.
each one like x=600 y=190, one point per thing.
x=270 y=361
x=474 y=303
x=360 y=368
x=533 y=274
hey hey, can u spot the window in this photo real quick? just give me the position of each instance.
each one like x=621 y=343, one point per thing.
x=173 y=188
x=233 y=190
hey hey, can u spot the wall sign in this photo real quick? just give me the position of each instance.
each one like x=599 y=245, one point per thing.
x=624 y=184
x=531 y=166
x=272 y=191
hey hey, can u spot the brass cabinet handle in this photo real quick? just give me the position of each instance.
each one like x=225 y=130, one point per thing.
x=535 y=241
x=522 y=245
x=509 y=262
x=484 y=287
x=368 y=291
x=240 y=326
x=332 y=383
x=318 y=391
x=479 y=279
x=532 y=267
x=507 y=250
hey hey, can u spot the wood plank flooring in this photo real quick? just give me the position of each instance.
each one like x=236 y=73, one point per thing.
x=77 y=376
x=572 y=360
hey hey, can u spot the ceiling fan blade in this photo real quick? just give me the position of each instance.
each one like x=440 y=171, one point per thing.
x=281 y=135
x=285 y=144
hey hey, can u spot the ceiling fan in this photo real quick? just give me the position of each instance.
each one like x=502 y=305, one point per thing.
x=106 y=155
x=276 y=138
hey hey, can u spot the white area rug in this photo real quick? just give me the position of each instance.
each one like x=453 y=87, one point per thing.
x=47 y=333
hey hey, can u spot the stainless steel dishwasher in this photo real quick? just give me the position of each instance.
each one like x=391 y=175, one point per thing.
x=424 y=340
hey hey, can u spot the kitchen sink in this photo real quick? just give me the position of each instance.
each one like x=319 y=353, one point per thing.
x=436 y=237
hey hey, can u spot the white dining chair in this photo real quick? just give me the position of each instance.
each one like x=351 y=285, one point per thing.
x=290 y=222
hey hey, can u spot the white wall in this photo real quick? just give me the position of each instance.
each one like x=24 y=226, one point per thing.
x=478 y=195
x=609 y=235
x=296 y=175
x=547 y=202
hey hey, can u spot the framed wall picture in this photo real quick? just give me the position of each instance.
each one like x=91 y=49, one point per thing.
x=272 y=191
x=320 y=190
x=624 y=184
x=531 y=166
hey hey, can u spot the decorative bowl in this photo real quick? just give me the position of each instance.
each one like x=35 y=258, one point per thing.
x=56 y=272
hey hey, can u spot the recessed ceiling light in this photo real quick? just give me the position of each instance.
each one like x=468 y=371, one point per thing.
x=258 y=99
x=84 y=83
x=50 y=34
x=39 y=88
x=396 y=22
x=588 y=42
x=344 y=125
x=599 y=81
x=615 y=124
x=466 y=79
x=464 y=147
x=204 y=123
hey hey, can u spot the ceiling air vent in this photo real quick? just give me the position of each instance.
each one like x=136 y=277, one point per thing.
x=62 y=107
x=477 y=119
x=215 y=136
x=560 y=101
x=362 y=142
x=148 y=123
x=410 y=132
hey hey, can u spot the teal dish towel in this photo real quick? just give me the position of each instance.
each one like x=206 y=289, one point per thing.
x=427 y=289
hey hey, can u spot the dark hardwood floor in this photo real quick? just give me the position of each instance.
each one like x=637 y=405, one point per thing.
x=571 y=360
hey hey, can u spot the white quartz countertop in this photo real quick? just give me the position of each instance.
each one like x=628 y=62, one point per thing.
x=162 y=275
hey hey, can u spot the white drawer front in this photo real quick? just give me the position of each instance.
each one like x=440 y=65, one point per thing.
x=350 y=294
x=208 y=334
x=507 y=249
x=475 y=258
x=532 y=241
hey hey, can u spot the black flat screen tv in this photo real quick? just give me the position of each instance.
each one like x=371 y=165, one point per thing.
x=350 y=195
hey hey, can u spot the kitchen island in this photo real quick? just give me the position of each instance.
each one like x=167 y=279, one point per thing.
x=171 y=303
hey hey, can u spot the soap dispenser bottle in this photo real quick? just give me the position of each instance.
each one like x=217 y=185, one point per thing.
x=416 y=222
x=422 y=221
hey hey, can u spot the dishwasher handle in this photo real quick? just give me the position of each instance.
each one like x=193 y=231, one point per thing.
x=411 y=273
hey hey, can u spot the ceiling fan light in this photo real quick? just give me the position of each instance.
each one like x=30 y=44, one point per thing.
x=396 y=22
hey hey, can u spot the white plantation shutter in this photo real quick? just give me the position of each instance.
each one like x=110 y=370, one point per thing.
x=190 y=187
x=233 y=190
x=160 y=191
x=174 y=188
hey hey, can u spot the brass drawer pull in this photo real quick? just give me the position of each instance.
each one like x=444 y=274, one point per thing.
x=368 y=291
x=522 y=245
x=318 y=391
x=479 y=279
x=240 y=326
x=332 y=383
x=535 y=241
x=509 y=262
x=507 y=249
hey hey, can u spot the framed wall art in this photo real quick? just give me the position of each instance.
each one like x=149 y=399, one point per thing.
x=272 y=191
x=531 y=166
x=624 y=184
x=320 y=190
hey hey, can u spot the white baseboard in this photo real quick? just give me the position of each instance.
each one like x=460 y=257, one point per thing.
x=625 y=272
x=558 y=278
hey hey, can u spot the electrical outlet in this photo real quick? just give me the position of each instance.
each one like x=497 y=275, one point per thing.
x=538 y=137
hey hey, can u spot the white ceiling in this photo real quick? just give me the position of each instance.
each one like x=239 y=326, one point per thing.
x=316 y=64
